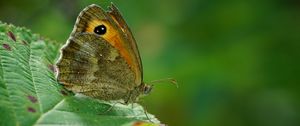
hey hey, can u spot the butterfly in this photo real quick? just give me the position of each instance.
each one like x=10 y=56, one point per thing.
x=101 y=58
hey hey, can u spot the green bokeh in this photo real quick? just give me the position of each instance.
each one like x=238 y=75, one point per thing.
x=236 y=61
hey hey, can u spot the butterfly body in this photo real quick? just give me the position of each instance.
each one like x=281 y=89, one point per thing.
x=101 y=59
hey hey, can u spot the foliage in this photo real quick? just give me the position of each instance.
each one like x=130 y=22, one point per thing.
x=30 y=94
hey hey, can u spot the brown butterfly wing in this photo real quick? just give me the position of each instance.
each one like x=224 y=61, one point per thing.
x=123 y=41
x=91 y=66
x=108 y=66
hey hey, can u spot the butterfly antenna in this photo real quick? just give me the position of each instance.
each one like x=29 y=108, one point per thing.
x=166 y=80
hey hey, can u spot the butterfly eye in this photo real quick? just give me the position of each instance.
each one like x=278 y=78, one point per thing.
x=147 y=89
x=100 y=30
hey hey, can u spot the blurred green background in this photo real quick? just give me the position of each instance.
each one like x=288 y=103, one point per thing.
x=236 y=61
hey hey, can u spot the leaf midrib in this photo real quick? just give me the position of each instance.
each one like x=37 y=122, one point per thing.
x=32 y=78
x=45 y=113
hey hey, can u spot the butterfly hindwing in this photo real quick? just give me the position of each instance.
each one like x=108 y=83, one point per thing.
x=91 y=66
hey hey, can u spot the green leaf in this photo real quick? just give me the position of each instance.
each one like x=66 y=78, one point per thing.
x=30 y=94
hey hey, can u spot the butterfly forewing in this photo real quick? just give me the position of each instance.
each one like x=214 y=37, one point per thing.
x=116 y=15
x=105 y=66
x=119 y=35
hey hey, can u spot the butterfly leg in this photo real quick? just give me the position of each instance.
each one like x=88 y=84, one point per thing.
x=145 y=111
x=109 y=109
